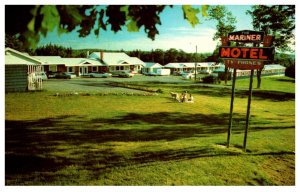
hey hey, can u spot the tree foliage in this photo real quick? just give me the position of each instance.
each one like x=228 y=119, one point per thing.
x=13 y=42
x=157 y=55
x=276 y=20
x=169 y=56
x=54 y=50
x=32 y=21
x=224 y=18
x=225 y=24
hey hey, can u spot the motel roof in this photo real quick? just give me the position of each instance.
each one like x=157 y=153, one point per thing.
x=190 y=65
x=152 y=65
x=116 y=58
x=72 y=62
x=136 y=61
x=50 y=60
x=266 y=67
x=13 y=57
x=273 y=66
x=69 y=62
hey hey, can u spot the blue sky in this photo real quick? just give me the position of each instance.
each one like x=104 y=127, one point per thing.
x=175 y=32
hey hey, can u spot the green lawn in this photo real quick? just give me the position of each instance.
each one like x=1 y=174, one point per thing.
x=91 y=139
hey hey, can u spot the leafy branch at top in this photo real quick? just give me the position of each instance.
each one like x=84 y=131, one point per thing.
x=33 y=21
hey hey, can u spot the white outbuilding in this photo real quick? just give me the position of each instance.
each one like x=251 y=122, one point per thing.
x=21 y=71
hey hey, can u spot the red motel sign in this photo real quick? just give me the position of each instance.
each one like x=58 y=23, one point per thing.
x=246 y=36
x=244 y=64
x=257 y=53
x=246 y=58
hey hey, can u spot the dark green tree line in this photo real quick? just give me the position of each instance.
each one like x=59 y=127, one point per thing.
x=54 y=50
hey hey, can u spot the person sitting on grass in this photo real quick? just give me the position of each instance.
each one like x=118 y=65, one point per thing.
x=191 y=99
x=184 y=97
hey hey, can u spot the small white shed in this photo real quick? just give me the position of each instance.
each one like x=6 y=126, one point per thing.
x=151 y=67
x=20 y=71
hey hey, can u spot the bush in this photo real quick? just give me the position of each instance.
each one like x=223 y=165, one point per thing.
x=290 y=71
x=211 y=79
x=159 y=91
x=222 y=76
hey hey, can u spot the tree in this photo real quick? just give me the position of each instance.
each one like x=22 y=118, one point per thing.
x=276 y=20
x=225 y=24
x=288 y=60
x=171 y=55
x=13 y=42
x=224 y=18
x=158 y=55
x=54 y=50
x=32 y=21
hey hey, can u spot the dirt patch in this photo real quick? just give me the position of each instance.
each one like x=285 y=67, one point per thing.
x=281 y=169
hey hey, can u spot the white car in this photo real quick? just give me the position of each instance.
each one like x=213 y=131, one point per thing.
x=101 y=75
x=42 y=75
x=188 y=75
x=125 y=74
x=65 y=75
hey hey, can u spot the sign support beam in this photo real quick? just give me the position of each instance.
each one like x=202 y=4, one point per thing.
x=231 y=107
x=248 y=111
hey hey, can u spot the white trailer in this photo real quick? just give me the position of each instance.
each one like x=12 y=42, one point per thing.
x=163 y=72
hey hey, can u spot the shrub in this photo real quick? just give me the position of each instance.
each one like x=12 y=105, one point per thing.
x=211 y=79
x=222 y=76
x=290 y=71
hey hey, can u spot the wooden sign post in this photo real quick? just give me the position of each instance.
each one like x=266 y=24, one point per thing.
x=245 y=58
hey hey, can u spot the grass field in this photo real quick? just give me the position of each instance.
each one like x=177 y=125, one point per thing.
x=94 y=139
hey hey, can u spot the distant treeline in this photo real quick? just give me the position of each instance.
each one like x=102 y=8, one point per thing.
x=157 y=55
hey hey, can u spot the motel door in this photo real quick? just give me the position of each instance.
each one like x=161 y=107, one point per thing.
x=84 y=70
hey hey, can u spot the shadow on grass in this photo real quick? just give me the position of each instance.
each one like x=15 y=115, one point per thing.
x=287 y=80
x=36 y=148
x=257 y=94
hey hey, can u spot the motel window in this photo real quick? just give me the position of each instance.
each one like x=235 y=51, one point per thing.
x=94 y=69
x=117 y=68
x=52 y=68
x=70 y=69
x=121 y=67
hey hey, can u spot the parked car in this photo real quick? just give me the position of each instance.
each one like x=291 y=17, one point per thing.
x=205 y=71
x=51 y=74
x=150 y=74
x=188 y=75
x=73 y=75
x=133 y=72
x=42 y=75
x=65 y=75
x=125 y=74
x=101 y=75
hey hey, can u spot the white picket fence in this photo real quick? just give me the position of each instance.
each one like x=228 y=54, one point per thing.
x=35 y=81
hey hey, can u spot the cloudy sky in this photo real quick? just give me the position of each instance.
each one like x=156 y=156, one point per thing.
x=174 y=32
